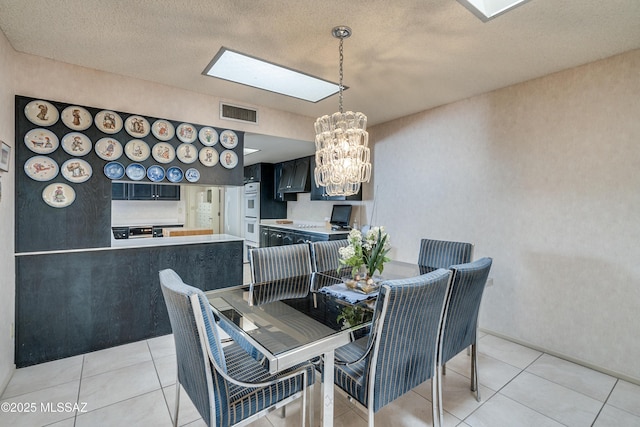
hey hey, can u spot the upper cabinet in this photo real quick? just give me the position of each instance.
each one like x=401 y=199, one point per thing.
x=320 y=193
x=128 y=191
x=295 y=176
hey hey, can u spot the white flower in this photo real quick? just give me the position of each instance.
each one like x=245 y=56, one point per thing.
x=347 y=252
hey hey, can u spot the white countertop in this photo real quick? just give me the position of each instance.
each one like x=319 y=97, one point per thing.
x=303 y=227
x=173 y=241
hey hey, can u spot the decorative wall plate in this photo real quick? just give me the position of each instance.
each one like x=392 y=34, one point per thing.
x=137 y=126
x=58 y=195
x=135 y=171
x=187 y=153
x=208 y=156
x=76 y=170
x=228 y=159
x=137 y=150
x=187 y=132
x=155 y=173
x=109 y=149
x=228 y=139
x=41 y=141
x=114 y=170
x=163 y=130
x=41 y=168
x=41 y=113
x=192 y=175
x=108 y=121
x=208 y=136
x=76 y=144
x=76 y=118
x=174 y=174
x=163 y=152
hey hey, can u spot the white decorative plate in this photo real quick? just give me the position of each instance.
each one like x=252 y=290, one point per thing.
x=208 y=156
x=109 y=149
x=76 y=170
x=58 y=195
x=108 y=121
x=229 y=139
x=163 y=152
x=135 y=171
x=137 y=150
x=163 y=130
x=137 y=126
x=76 y=144
x=41 y=168
x=228 y=159
x=208 y=136
x=174 y=174
x=155 y=173
x=76 y=118
x=42 y=113
x=41 y=141
x=187 y=132
x=187 y=153
x=114 y=170
x=192 y=175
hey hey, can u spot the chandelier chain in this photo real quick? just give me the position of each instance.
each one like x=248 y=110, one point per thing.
x=341 y=73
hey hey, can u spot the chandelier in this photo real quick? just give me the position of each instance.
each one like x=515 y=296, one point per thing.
x=342 y=152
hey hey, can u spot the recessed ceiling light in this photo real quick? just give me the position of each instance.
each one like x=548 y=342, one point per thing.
x=247 y=70
x=489 y=9
x=248 y=151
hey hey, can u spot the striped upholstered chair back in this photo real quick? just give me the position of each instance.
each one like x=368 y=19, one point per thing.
x=443 y=254
x=325 y=254
x=401 y=351
x=279 y=262
x=227 y=385
x=461 y=319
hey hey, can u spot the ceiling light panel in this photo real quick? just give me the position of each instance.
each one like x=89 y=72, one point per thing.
x=254 y=72
x=489 y=9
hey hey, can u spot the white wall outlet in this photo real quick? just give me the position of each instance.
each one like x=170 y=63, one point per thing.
x=490 y=281
x=12 y=330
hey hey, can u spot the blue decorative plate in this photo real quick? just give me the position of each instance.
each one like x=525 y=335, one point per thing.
x=155 y=173
x=135 y=171
x=174 y=174
x=192 y=175
x=114 y=170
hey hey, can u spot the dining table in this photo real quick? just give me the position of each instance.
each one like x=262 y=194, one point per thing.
x=302 y=318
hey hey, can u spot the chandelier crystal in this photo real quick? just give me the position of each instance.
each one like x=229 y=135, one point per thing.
x=342 y=152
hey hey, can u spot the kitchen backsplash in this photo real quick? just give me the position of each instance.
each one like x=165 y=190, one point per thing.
x=147 y=213
x=306 y=210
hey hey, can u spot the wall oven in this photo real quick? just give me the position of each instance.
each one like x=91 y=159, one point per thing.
x=252 y=200
x=252 y=230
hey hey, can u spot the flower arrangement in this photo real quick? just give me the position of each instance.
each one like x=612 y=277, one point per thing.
x=365 y=251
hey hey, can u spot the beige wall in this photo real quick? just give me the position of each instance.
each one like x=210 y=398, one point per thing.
x=544 y=177
x=7 y=265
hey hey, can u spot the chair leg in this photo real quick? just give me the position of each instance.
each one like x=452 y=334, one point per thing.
x=434 y=400
x=311 y=405
x=303 y=418
x=283 y=411
x=439 y=396
x=371 y=415
x=177 y=404
x=475 y=386
x=444 y=369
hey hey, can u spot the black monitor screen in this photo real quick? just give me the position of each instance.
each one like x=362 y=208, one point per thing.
x=340 y=215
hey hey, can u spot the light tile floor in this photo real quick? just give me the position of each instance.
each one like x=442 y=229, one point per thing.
x=134 y=385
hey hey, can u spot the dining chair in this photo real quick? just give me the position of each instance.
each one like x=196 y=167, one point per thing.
x=279 y=262
x=227 y=386
x=401 y=350
x=325 y=256
x=443 y=253
x=460 y=326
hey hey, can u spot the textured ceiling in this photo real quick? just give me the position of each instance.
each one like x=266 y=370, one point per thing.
x=404 y=56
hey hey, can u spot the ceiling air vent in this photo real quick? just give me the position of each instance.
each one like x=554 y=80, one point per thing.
x=240 y=114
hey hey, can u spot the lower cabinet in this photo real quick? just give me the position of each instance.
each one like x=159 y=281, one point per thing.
x=76 y=302
x=276 y=236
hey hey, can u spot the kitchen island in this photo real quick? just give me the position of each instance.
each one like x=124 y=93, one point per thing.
x=74 y=301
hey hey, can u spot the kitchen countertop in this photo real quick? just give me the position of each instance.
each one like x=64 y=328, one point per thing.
x=303 y=227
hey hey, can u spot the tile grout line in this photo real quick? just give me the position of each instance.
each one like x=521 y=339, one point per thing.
x=164 y=396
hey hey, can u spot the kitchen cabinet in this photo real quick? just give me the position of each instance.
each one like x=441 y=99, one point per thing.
x=295 y=176
x=280 y=236
x=129 y=191
x=319 y=193
x=252 y=173
x=279 y=195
